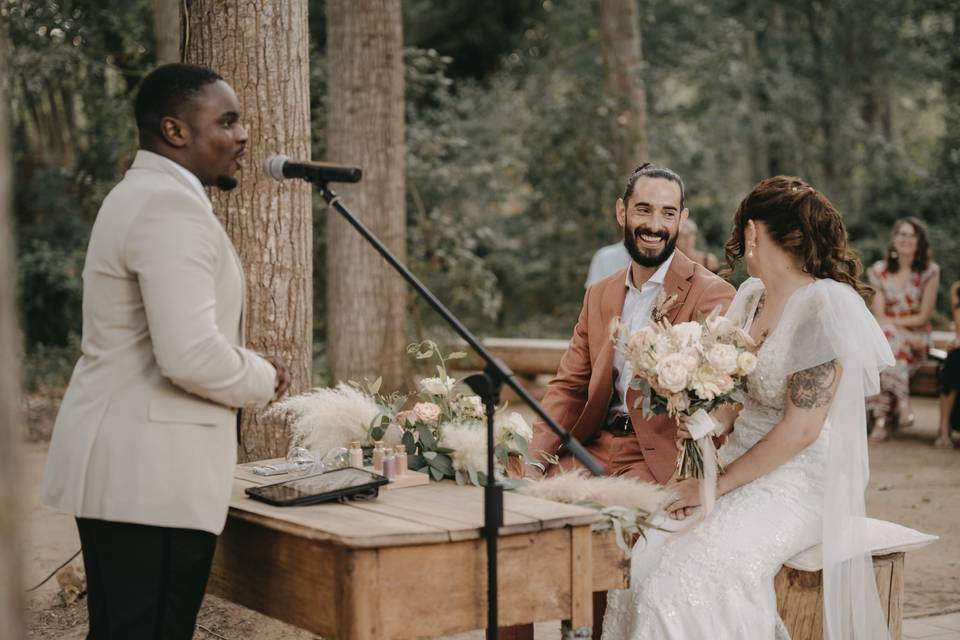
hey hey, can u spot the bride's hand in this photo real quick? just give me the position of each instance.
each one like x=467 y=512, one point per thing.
x=685 y=496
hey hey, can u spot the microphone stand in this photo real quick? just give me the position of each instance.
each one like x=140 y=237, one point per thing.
x=487 y=385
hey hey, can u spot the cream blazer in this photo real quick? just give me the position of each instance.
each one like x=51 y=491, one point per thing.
x=146 y=432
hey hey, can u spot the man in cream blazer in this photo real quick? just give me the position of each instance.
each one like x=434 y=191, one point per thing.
x=144 y=445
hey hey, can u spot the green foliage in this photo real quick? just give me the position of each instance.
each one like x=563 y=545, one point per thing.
x=511 y=182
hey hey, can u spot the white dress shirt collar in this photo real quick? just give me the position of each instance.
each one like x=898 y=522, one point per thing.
x=658 y=277
x=189 y=175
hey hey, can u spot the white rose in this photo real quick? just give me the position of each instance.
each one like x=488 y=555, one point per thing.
x=672 y=373
x=705 y=383
x=687 y=334
x=691 y=359
x=436 y=386
x=723 y=358
x=426 y=411
x=725 y=384
x=639 y=349
x=746 y=363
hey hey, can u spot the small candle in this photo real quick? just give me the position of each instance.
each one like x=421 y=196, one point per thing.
x=390 y=465
x=356 y=455
x=401 y=457
x=378 y=455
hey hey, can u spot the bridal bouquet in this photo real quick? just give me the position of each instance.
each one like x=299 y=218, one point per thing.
x=442 y=426
x=689 y=369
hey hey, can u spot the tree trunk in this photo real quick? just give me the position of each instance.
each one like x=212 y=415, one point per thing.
x=366 y=301
x=166 y=29
x=260 y=47
x=12 y=602
x=818 y=24
x=623 y=61
x=951 y=91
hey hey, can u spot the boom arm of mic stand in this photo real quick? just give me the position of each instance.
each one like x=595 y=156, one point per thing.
x=494 y=366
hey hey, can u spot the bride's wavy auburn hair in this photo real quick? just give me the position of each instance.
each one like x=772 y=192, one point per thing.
x=804 y=223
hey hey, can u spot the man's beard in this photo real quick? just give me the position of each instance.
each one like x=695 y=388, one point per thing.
x=645 y=259
x=227 y=183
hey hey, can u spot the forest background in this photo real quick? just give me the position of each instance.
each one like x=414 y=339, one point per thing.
x=512 y=166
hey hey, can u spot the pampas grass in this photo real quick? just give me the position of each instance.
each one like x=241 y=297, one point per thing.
x=577 y=487
x=469 y=443
x=626 y=505
x=325 y=418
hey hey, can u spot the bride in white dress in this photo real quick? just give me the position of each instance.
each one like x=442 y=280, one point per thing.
x=796 y=459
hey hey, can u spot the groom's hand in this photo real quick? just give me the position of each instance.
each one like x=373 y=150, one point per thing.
x=282 y=381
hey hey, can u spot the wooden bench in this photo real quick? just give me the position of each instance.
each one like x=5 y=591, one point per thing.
x=799 y=584
x=531 y=358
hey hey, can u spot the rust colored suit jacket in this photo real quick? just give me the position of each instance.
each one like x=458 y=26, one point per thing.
x=578 y=398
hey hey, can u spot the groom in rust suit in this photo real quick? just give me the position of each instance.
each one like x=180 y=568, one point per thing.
x=590 y=395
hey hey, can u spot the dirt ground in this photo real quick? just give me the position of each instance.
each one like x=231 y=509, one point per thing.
x=912 y=484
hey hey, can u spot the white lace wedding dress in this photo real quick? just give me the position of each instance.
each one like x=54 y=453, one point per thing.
x=713 y=578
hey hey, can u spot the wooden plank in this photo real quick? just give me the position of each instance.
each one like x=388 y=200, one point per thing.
x=279 y=574
x=360 y=589
x=883 y=570
x=800 y=602
x=534 y=584
x=341 y=523
x=551 y=514
x=895 y=609
x=581 y=577
x=463 y=504
x=610 y=567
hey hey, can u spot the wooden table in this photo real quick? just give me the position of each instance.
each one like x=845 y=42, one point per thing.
x=411 y=564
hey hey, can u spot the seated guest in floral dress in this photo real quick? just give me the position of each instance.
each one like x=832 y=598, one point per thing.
x=950 y=381
x=906 y=284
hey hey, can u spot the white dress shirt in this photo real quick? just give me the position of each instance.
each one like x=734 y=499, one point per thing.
x=191 y=178
x=636 y=313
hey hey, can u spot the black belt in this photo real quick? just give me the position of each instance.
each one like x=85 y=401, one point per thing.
x=620 y=424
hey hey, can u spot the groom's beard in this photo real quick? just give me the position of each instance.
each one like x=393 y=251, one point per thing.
x=646 y=258
x=227 y=183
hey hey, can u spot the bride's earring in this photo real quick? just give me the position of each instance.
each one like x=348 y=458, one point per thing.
x=750 y=248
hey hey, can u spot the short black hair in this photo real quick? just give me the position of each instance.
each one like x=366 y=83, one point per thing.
x=650 y=170
x=165 y=91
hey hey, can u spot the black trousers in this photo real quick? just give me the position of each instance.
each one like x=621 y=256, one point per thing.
x=950 y=381
x=144 y=582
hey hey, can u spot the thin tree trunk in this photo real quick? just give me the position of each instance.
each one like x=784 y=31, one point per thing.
x=12 y=603
x=260 y=47
x=623 y=61
x=951 y=91
x=366 y=301
x=818 y=23
x=166 y=29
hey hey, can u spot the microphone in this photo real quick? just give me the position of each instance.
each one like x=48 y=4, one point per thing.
x=280 y=167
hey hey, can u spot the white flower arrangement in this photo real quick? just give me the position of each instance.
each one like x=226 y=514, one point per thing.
x=444 y=432
x=686 y=368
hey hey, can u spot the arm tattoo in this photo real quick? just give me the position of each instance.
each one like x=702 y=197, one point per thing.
x=813 y=387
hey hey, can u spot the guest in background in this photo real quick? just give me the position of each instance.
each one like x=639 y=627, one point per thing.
x=950 y=380
x=607 y=261
x=906 y=283
x=687 y=243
